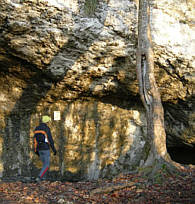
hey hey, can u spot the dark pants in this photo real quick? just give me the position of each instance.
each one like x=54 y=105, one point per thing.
x=45 y=158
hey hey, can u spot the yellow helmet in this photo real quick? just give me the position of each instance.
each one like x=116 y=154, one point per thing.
x=46 y=119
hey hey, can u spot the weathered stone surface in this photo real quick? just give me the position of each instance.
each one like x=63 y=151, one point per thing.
x=174 y=45
x=55 y=57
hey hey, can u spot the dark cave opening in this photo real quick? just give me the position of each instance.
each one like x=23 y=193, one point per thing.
x=182 y=154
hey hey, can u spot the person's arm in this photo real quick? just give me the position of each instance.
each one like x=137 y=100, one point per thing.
x=51 y=142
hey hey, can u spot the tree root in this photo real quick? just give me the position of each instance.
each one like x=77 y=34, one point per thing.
x=110 y=189
x=161 y=168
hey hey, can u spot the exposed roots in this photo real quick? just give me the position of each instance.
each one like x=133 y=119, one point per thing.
x=160 y=169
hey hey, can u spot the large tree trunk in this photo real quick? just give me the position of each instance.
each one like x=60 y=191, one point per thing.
x=149 y=91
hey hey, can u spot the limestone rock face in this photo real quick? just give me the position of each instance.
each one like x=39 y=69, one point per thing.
x=79 y=58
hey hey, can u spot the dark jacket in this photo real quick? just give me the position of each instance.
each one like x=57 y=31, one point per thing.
x=43 y=139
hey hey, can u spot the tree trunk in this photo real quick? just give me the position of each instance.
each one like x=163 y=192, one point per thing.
x=148 y=89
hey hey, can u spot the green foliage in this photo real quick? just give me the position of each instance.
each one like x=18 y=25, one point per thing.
x=164 y=166
x=90 y=7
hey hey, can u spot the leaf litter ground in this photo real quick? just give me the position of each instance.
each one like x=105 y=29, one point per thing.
x=124 y=189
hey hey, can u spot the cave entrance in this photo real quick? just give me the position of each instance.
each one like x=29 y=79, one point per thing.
x=182 y=154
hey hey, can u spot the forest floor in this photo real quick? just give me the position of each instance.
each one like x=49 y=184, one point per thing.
x=124 y=189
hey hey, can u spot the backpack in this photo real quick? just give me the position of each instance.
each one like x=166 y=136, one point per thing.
x=40 y=137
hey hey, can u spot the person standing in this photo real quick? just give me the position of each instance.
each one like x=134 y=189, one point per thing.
x=42 y=142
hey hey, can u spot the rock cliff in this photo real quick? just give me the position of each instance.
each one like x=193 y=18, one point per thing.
x=78 y=57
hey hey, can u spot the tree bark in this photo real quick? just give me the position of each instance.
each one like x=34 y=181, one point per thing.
x=148 y=88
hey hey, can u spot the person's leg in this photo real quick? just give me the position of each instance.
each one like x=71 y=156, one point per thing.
x=45 y=158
